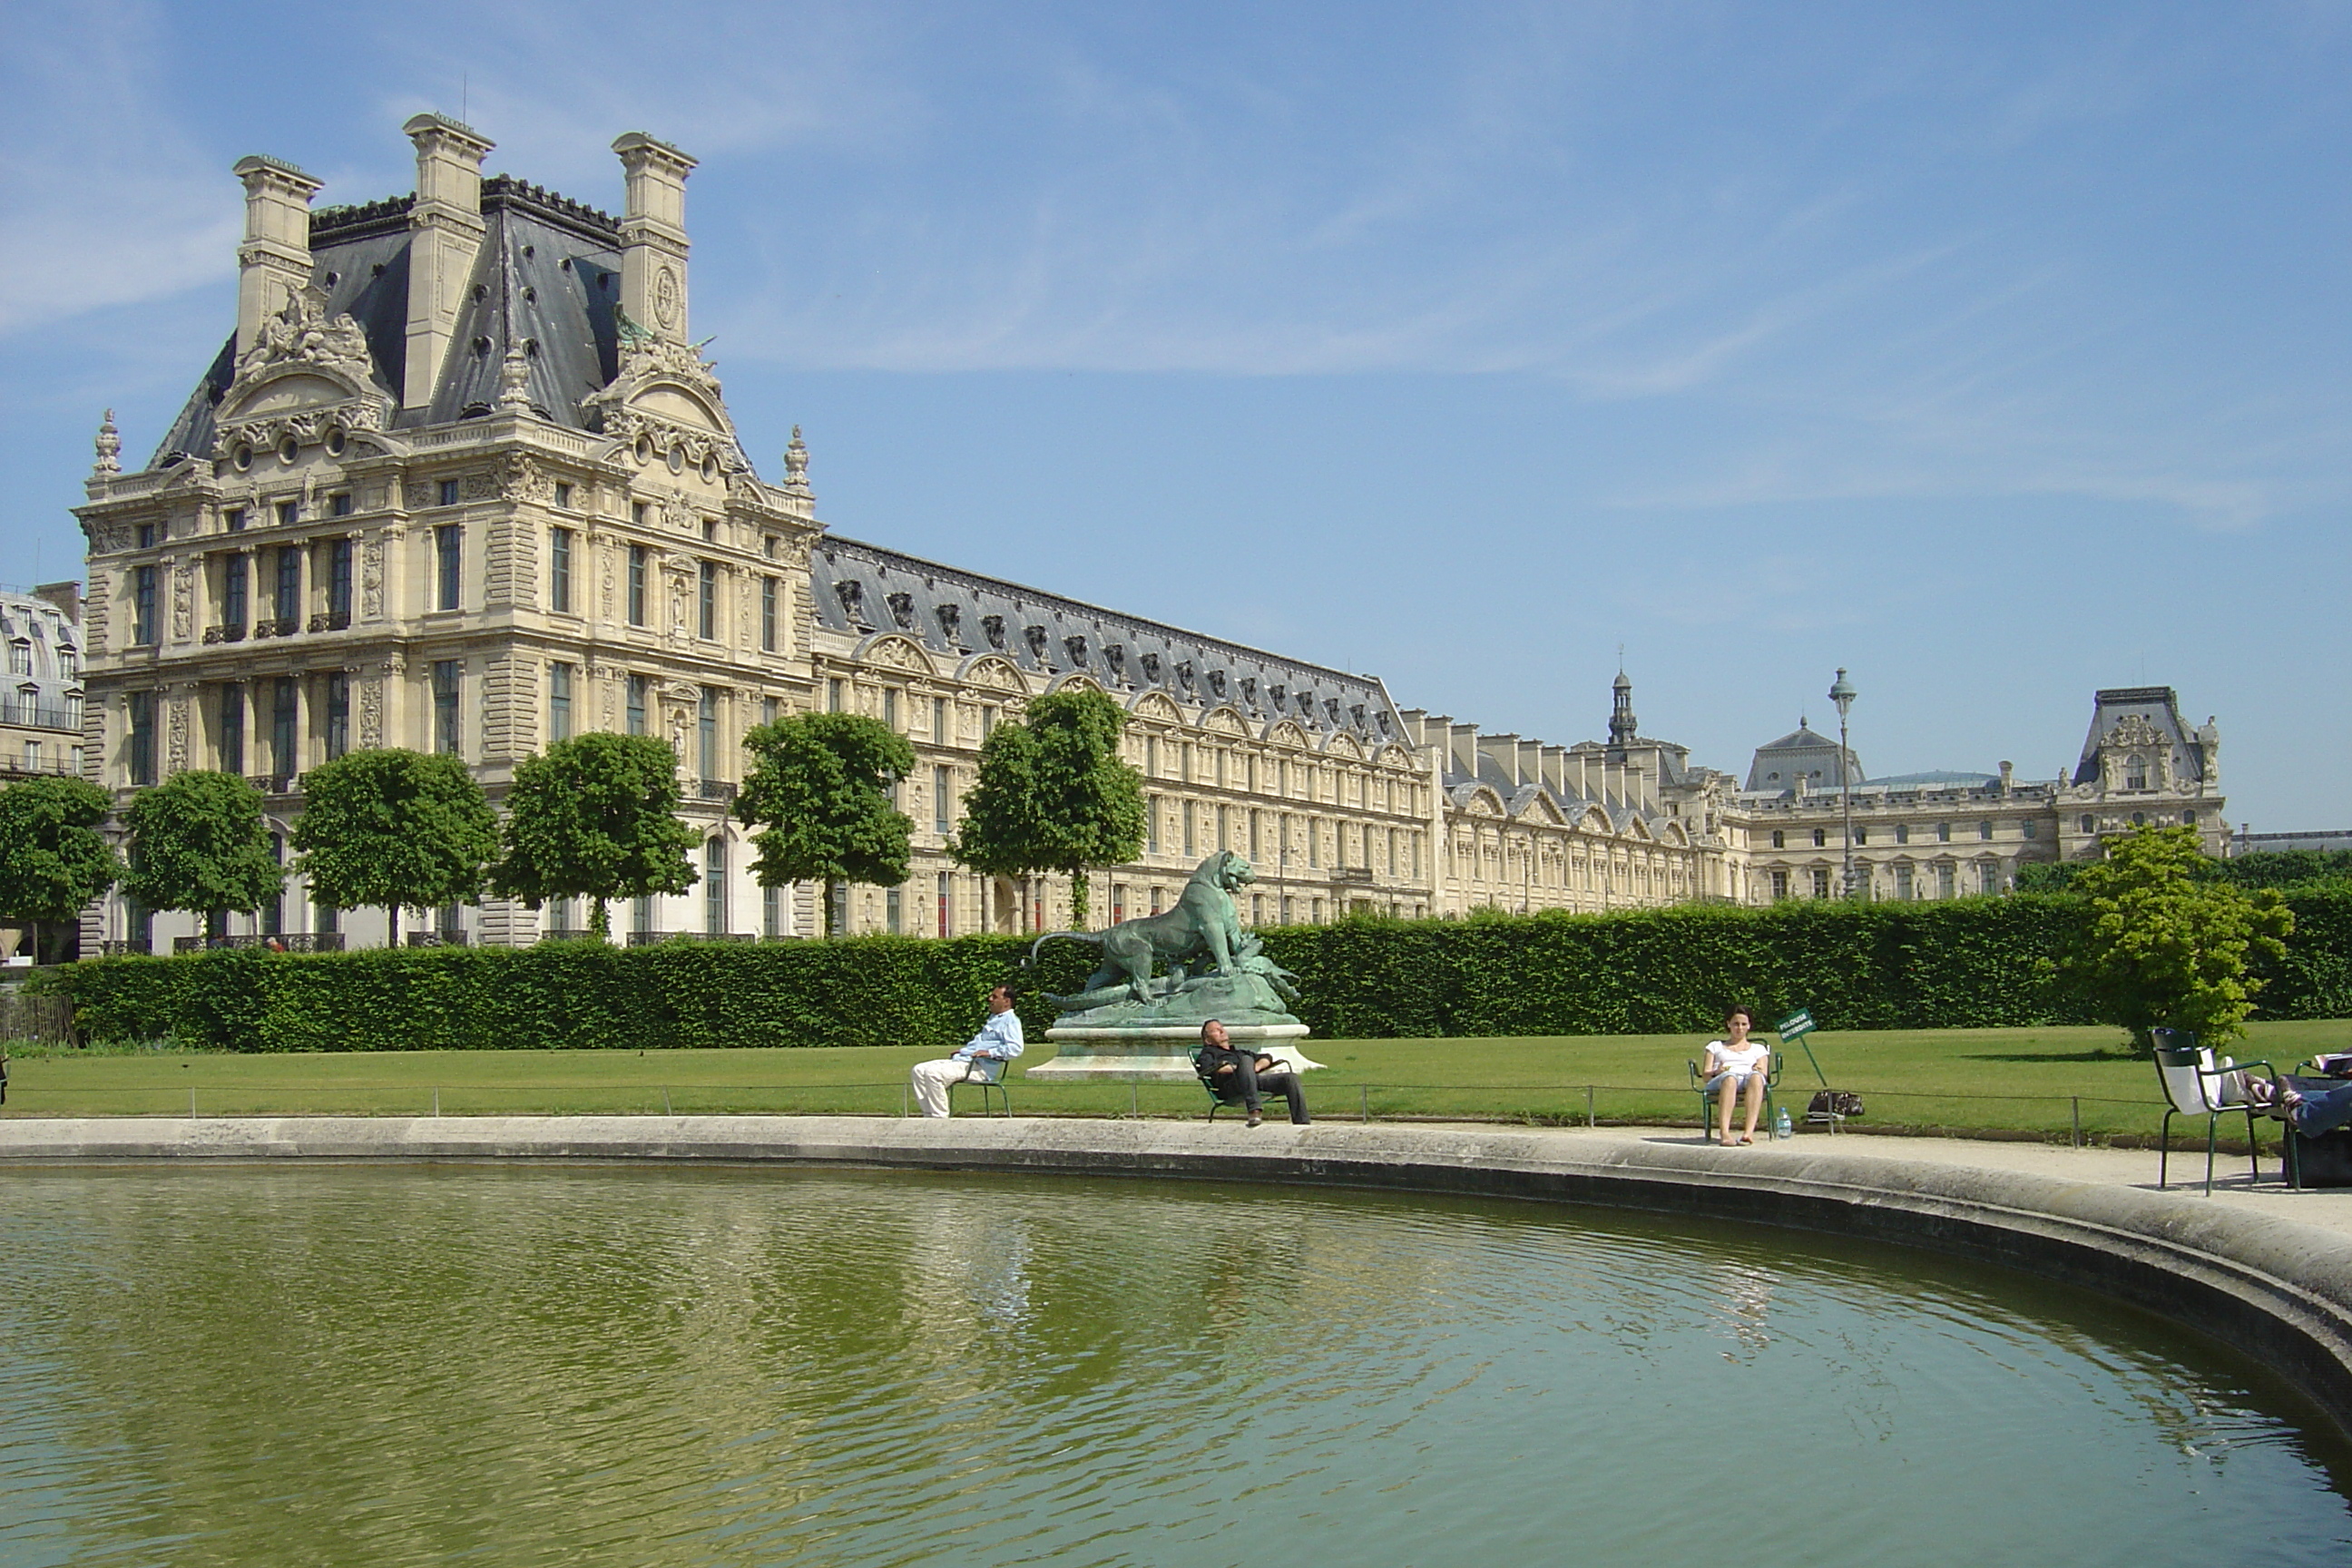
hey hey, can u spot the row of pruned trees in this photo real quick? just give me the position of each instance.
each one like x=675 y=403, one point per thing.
x=593 y=818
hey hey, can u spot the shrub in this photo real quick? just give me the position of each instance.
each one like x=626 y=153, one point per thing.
x=1982 y=963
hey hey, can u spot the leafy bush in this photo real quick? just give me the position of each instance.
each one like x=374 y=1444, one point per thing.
x=1979 y=963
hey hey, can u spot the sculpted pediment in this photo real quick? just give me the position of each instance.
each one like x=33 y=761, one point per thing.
x=671 y=402
x=1342 y=744
x=290 y=388
x=1155 y=705
x=990 y=671
x=893 y=652
x=1074 y=682
x=1282 y=733
x=1226 y=721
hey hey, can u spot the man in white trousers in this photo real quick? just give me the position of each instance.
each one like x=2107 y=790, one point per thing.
x=999 y=1040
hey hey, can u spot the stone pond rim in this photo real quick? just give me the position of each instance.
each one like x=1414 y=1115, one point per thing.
x=2276 y=1290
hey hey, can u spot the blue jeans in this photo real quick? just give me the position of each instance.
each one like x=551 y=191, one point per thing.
x=2324 y=1111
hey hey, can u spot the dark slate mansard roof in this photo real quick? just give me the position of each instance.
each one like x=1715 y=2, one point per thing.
x=546 y=276
x=2160 y=706
x=952 y=612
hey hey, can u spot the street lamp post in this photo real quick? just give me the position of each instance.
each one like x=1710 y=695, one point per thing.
x=1843 y=694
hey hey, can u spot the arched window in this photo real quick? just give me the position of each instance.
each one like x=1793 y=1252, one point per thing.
x=2136 y=773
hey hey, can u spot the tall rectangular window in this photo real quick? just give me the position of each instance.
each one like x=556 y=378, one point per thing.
x=707 y=734
x=714 y=885
x=340 y=504
x=940 y=720
x=448 y=492
x=285 y=727
x=1987 y=877
x=890 y=711
x=1151 y=824
x=1254 y=849
x=894 y=912
x=1780 y=886
x=636 y=715
x=939 y=800
x=232 y=727
x=449 y=556
x=444 y=706
x=832 y=695
x=559 y=702
x=234 y=573
x=286 y=601
x=1314 y=844
x=707 y=613
x=236 y=520
x=559 y=570
x=946 y=904
x=768 y=586
x=339 y=581
x=1186 y=808
x=1946 y=877
x=637 y=572
x=142 y=749
x=772 y=912
x=1821 y=882
x=289 y=512
x=338 y=715
x=142 y=606
x=769 y=709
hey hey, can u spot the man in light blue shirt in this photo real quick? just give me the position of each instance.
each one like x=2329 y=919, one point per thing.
x=998 y=1042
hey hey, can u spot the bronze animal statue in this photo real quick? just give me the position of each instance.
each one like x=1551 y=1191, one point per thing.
x=1204 y=929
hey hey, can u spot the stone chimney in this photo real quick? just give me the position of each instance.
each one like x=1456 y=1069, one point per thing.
x=66 y=597
x=274 y=262
x=653 y=235
x=444 y=235
x=2008 y=778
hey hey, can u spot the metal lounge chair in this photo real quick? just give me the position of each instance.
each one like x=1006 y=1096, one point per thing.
x=1706 y=1102
x=984 y=1073
x=2194 y=1084
x=1224 y=1088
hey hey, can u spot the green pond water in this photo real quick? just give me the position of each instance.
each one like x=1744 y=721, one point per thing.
x=534 y=1364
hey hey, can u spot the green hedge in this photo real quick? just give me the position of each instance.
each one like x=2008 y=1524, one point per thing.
x=1979 y=963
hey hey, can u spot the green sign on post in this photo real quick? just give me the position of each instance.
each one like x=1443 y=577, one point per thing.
x=1797 y=1022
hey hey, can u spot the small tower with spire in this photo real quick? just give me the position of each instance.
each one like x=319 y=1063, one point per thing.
x=1622 y=726
x=110 y=447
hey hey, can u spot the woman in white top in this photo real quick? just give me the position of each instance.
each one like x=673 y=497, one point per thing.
x=1735 y=1064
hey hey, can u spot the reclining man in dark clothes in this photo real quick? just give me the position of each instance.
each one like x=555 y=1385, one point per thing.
x=1256 y=1073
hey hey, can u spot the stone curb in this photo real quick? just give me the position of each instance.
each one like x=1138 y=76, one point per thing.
x=2276 y=1290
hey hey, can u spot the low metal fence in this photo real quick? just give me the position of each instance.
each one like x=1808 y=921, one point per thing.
x=2076 y=1119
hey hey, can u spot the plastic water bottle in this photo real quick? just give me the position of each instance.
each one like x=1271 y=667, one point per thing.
x=1781 y=1126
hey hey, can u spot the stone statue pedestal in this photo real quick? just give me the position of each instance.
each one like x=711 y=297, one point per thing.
x=1086 y=1055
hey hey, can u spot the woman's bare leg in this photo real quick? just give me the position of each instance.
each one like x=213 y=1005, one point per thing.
x=1726 y=1097
x=1754 y=1104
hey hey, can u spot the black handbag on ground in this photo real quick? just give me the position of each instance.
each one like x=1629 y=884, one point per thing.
x=1834 y=1105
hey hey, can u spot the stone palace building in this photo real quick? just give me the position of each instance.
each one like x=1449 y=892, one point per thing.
x=458 y=481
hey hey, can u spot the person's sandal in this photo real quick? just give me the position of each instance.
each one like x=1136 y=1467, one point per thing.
x=1254 y=1120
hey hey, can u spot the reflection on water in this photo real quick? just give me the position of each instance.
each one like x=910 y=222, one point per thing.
x=520 y=1365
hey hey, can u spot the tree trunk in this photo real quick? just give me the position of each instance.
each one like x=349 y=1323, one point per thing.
x=825 y=896
x=393 y=911
x=1078 y=898
x=600 y=923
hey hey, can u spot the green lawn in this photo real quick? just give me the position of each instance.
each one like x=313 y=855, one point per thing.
x=2032 y=1081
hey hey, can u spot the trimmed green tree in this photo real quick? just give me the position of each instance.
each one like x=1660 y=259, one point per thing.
x=595 y=817
x=53 y=862
x=197 y=843
x=1053 y=795
x=819 y=794
x=392 y=828
x=2166 y=943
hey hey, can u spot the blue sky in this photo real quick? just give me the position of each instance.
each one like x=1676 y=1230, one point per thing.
x=1996 y=352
